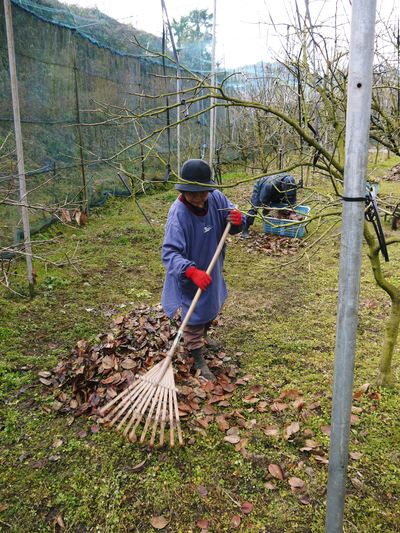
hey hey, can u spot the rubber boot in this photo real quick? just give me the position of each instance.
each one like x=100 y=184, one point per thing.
x=245 y=233
x=211 y=344
x=199 y=363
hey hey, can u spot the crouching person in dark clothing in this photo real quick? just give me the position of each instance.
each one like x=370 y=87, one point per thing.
x=270 y=191
x=195 y=224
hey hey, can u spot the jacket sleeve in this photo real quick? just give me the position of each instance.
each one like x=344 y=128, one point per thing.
x=174 y=251
x=255 y=197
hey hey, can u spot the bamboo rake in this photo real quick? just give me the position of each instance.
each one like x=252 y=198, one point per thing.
x=154 y=393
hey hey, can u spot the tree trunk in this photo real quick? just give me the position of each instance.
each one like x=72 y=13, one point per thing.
x=385 y=377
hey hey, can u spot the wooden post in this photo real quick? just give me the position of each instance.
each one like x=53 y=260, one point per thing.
x=19 y=145
x=85 y=203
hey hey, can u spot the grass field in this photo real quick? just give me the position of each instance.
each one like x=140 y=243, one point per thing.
x=281 y=320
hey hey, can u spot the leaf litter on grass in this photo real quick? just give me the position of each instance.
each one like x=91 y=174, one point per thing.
x=94 y=373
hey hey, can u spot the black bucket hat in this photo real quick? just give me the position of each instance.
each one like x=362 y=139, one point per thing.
x=196 y=170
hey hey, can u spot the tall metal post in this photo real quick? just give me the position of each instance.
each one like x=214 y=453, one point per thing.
x=178 y=118
x=212 y=111
x=357 y=129
x=18 y=143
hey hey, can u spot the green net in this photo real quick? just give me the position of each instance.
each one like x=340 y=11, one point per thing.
x=72 y=84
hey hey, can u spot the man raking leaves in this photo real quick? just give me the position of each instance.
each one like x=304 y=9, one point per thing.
x=195 y=224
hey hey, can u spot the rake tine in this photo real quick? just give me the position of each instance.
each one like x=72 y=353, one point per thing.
x=108 y=405
x=171 y=411
x=129 y=402
x=132 y=406
x=178 y=424
x=137 y=405
x=121 y=395
x=118 y=411
x=157 y=417
x=140 y=413
x=148 y=419
x=163 y=417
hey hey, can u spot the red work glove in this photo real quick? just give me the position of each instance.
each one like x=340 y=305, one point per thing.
x=234 y=217
x=199 y=277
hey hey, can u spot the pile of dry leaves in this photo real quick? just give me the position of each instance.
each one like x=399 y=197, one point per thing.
x=270 y=244
x=394 y=174
x=95 y=373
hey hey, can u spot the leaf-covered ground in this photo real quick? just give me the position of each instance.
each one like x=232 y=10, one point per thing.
x=259 y=462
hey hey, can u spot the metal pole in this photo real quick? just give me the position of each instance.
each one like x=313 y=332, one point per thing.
x=18 y=142
x=178 y=118
x=212 y=111
x=357 y=129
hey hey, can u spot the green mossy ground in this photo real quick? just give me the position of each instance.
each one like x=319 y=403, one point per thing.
x=282 y=319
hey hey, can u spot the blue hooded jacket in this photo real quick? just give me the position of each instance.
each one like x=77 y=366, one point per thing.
x=189 y=240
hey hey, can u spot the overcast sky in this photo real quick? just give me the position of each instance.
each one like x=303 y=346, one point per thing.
x=245 y=34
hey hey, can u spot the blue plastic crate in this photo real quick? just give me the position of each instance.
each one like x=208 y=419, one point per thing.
x=286 y=227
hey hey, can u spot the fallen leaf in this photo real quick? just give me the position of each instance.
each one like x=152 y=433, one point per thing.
x=57 y=443
x=127 y=364
x=82 y=434
x=269 y=485
x=262 y=407
x=271 y=431
x=202 y=490
x=356 y=410
x=252 y=400
x=44 y=374
x=95 y=429
x=159 y=522
x=65 y=216
x=305 y=499
x=3 y=507
x=235 y=522
x=277 y=407
x=355 y=455
x=326 y=430
x=59 y=520
x=357 y=483
x=296 y=483
x=275 y=471
x=232 y=439
x=375 y=396
x=354 y=420
x=291 y=394
x=223 y=425
x=290 y=430
x=202 y=524
x=321 y=459
x=299 y=404
x=246 y=507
